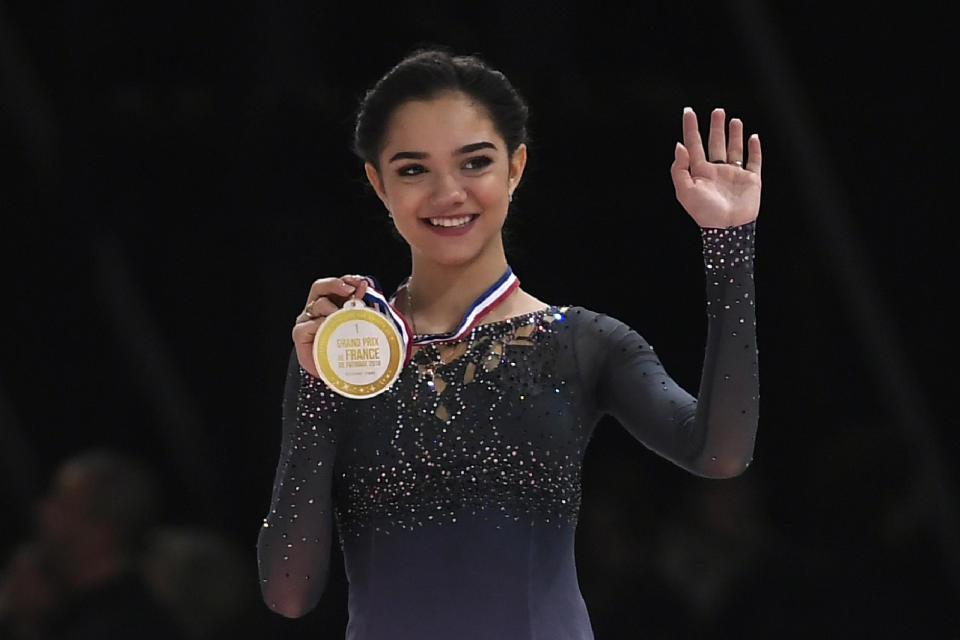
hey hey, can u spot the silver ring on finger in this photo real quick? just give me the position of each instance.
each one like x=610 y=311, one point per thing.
x=739 y=163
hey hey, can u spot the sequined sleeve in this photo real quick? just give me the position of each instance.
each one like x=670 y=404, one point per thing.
x=713 y=434
x=293 y=548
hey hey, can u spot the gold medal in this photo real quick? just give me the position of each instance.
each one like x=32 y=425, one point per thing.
x=358 y=351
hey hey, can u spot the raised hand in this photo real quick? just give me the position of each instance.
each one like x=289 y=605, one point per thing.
x=326 y=296
x=717 y=188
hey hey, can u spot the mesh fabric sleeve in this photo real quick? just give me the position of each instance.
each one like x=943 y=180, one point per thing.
x=713 y=434
x=293 y=548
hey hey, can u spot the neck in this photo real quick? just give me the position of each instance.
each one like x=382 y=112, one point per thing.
x=441 y=294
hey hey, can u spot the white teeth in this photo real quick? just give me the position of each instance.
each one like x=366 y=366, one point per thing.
x=450 y=222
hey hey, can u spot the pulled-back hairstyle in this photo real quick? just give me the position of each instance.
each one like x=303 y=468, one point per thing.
x=427 y=73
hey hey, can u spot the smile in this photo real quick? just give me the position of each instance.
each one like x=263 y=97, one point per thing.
x=459 y=221
x=451 y=226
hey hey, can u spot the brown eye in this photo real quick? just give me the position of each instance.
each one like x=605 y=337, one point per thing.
x=410 y=170
x=477 y=162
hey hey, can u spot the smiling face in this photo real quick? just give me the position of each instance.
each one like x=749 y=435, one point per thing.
x=446 y=177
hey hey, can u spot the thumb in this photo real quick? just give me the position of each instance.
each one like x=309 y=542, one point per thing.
x=680 y=169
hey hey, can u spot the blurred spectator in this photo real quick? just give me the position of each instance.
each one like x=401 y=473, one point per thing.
x=86 y=572
x=204 y=581
x=711 y=549
x=616 y=540
x=28 y=594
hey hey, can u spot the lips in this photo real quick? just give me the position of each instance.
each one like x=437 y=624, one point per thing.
x=451 y=221
x=451 y=225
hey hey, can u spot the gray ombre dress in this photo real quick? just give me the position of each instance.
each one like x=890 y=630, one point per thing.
x=455 y=494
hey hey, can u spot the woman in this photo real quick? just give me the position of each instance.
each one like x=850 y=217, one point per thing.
x=456 y=492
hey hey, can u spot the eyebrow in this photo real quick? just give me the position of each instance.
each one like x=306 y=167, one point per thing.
x=420 y=155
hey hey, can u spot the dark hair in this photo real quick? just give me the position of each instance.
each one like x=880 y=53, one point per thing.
x=427 y=73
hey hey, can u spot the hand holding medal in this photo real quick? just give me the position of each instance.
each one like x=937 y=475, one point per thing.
x=326 y=297
x=357 y=349
x=358 y=344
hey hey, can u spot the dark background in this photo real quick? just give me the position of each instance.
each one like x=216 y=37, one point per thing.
x=175 y=174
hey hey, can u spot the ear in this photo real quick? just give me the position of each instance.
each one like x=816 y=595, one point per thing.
x=373 y=177
x=518 y=161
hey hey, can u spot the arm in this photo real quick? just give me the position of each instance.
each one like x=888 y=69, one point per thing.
x=713 y=434
x=293 y=548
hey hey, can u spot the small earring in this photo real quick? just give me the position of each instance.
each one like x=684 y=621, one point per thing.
x=511 y=197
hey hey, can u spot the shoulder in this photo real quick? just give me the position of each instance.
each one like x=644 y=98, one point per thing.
x=589 y=320
x=601 y=332
x=599 y=342
x=593 y=331
x=523 y=304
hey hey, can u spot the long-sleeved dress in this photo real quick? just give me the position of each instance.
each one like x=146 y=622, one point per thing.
x=455 y=494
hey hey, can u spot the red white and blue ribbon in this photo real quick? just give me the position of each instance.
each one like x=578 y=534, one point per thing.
x=375 y=298
x=483 y=305
x=488 y=300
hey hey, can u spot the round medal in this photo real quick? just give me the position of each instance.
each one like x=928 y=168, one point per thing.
x=358 y=351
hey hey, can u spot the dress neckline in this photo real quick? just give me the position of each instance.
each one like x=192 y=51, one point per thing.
x=484 y=327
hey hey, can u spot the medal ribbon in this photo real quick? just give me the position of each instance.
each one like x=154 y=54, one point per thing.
x=488 y=300
x=375 y=298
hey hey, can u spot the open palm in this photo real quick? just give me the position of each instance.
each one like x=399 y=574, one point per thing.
x=721 y=191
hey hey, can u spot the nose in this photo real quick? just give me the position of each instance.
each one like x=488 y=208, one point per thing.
x=448 y=191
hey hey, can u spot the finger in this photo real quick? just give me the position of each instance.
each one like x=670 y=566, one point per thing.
x=755 y=156
x=716 y=142
x=691 y=137
x=359 y=282
x=304 y=332
x=329 y=286
x=320 y=308
x=735 y=143
x=680 y=169
x=305 y=318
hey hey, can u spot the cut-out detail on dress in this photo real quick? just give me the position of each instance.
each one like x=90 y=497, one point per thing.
x=522 y=337
x=494 y=355
x=449 y=352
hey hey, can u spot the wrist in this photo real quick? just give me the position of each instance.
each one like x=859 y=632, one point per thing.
x=728 y=247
